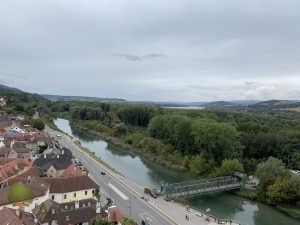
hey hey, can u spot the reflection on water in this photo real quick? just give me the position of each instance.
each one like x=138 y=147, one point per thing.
x=222 y=205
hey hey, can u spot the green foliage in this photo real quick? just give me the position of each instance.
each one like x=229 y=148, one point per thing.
x=268 y=172
x=19 y=192
x=230 y=166
x=200 y=165
x=282 y=191
x=38 y=124
x=219 y=140
x=128 y=221
x=100 y=222
x=174 y=130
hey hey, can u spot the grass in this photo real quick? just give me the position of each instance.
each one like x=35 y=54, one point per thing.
x=292 y=211
x=19 y=192
x=249 y=194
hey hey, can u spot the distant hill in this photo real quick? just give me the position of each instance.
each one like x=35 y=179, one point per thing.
x=5 y=89
x=81 y=98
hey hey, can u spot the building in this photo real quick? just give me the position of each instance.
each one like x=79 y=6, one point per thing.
x=12 y=167
x=80 y=212
x=15 y=217
x=38 y=187
x=114 y=215
x=69 y=189
x=52 y=165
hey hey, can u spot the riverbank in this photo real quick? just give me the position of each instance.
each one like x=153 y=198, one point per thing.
x=289 y=210
x=120 y=143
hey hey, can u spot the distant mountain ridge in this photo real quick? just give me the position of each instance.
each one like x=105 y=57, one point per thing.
x=81 y=98
x=4 y=89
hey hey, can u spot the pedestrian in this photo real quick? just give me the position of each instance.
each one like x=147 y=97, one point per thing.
x=186 y=217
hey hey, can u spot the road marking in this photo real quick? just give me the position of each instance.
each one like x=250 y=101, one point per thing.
x=120 y=193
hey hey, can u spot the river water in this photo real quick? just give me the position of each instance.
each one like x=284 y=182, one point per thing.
x=146 y=174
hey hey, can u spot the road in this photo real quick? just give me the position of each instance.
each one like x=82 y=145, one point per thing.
x=125 y=199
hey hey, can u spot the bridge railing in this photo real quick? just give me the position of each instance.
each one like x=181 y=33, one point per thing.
x=202 y=186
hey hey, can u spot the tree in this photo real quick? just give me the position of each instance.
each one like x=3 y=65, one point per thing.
x=282 y=191
x=230 y=166
x=268 y=172
x=128 y=221
x=220 y=140
x=100 y=222
x=38 y=124
x=200 y=165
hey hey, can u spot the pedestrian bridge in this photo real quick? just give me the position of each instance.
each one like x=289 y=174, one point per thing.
x=199 y=187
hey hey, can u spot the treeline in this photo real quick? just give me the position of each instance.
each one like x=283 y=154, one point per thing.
x=194 y=140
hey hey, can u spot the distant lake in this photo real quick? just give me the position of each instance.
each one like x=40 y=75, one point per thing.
x=183 y=107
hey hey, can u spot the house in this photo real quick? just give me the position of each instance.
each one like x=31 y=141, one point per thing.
x=68 y=189
x=38 y=190
x=72 y=171
x=79 y=212
x=19 y=130
x=115 y=215
x=14 y=217
x=20 y=152
x=12 y=167
x=4 y=152
x=52 y=165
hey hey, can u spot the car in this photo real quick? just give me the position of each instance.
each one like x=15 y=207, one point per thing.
x=145 y=222
x=153 y=194
x=103 y=173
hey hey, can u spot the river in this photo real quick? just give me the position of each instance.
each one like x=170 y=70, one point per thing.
x=147 y=174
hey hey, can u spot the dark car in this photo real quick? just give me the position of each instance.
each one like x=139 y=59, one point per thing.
x=103 y=173
x=153 y=194
x=145 y=222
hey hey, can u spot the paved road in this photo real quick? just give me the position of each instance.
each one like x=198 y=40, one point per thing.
x=134 y=206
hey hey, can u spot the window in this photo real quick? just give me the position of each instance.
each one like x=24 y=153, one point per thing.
x=93 y=191
x=74 y=195
x=65 y=196
x=52 y=197
x=85 y=192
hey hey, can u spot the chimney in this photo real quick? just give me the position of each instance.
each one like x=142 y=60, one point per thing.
x=77 y=205
x=18 y=213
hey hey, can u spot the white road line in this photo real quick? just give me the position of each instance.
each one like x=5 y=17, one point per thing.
x=120 y=193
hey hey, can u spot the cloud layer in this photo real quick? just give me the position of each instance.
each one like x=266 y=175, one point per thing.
x=173 y=50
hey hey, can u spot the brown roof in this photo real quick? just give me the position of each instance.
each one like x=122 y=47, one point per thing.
x=21 y=150
x=72 y=171
x=66 y=216
x=8 y=217
x=70 y=184
x=38 y=186
x=4 y=151
x=115 y=215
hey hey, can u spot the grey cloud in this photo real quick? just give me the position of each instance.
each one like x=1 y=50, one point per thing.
x=131 y=57
x=166 y=50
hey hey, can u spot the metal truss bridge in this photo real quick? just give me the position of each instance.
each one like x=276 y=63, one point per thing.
x=199 y=187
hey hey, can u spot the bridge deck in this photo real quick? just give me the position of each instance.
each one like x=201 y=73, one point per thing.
x=202 y=186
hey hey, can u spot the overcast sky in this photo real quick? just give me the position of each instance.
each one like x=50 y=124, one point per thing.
x=164 y=50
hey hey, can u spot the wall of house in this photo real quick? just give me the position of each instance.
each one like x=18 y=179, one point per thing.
x=52 y=172
x=80 y=195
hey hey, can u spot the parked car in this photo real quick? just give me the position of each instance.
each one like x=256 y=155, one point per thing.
x=153 y=194
x=103 y=173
